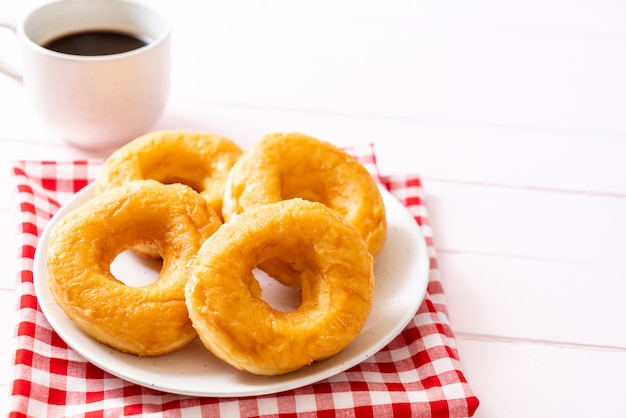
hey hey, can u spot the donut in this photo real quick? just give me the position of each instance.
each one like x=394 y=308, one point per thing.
x=199 y=160
x=147 y=321
x=286 y=165
x=336 y=274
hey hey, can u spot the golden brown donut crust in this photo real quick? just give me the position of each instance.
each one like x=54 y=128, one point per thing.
x=333 y=264
x=199 y=160
x=149 y=320
x=286 y=165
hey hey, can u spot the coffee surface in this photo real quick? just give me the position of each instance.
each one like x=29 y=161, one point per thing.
x=93 y=43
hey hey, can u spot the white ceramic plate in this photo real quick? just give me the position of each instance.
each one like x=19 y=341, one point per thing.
x=401 y=273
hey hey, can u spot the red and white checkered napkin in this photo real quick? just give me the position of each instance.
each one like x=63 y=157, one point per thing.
x=417 y=374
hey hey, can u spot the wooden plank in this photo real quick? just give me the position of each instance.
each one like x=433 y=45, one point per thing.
x=527 y=223
x=439 y=73
x=525 y=298
x=5 y=390
x=8 y=252
x=516 y=379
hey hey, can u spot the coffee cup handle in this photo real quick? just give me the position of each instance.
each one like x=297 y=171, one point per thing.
x=5 y=67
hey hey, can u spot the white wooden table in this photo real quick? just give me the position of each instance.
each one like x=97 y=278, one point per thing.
x=515 y=116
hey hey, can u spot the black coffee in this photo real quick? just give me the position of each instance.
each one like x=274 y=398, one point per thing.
x=99 y=42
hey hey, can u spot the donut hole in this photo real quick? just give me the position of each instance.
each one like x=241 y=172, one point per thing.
x=177 y=168
x=171 y=179
x=297 y=182
x=317 y=189
x=134 y=270
x=280 y=297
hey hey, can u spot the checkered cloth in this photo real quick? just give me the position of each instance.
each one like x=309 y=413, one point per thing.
x=416 y=375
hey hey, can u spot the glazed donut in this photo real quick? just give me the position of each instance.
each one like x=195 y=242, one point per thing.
x=336 y=272
x=149 y=320
x=286 y=165
x=199 y=160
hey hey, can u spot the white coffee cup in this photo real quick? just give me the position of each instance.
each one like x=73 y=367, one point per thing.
x=101 y=101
